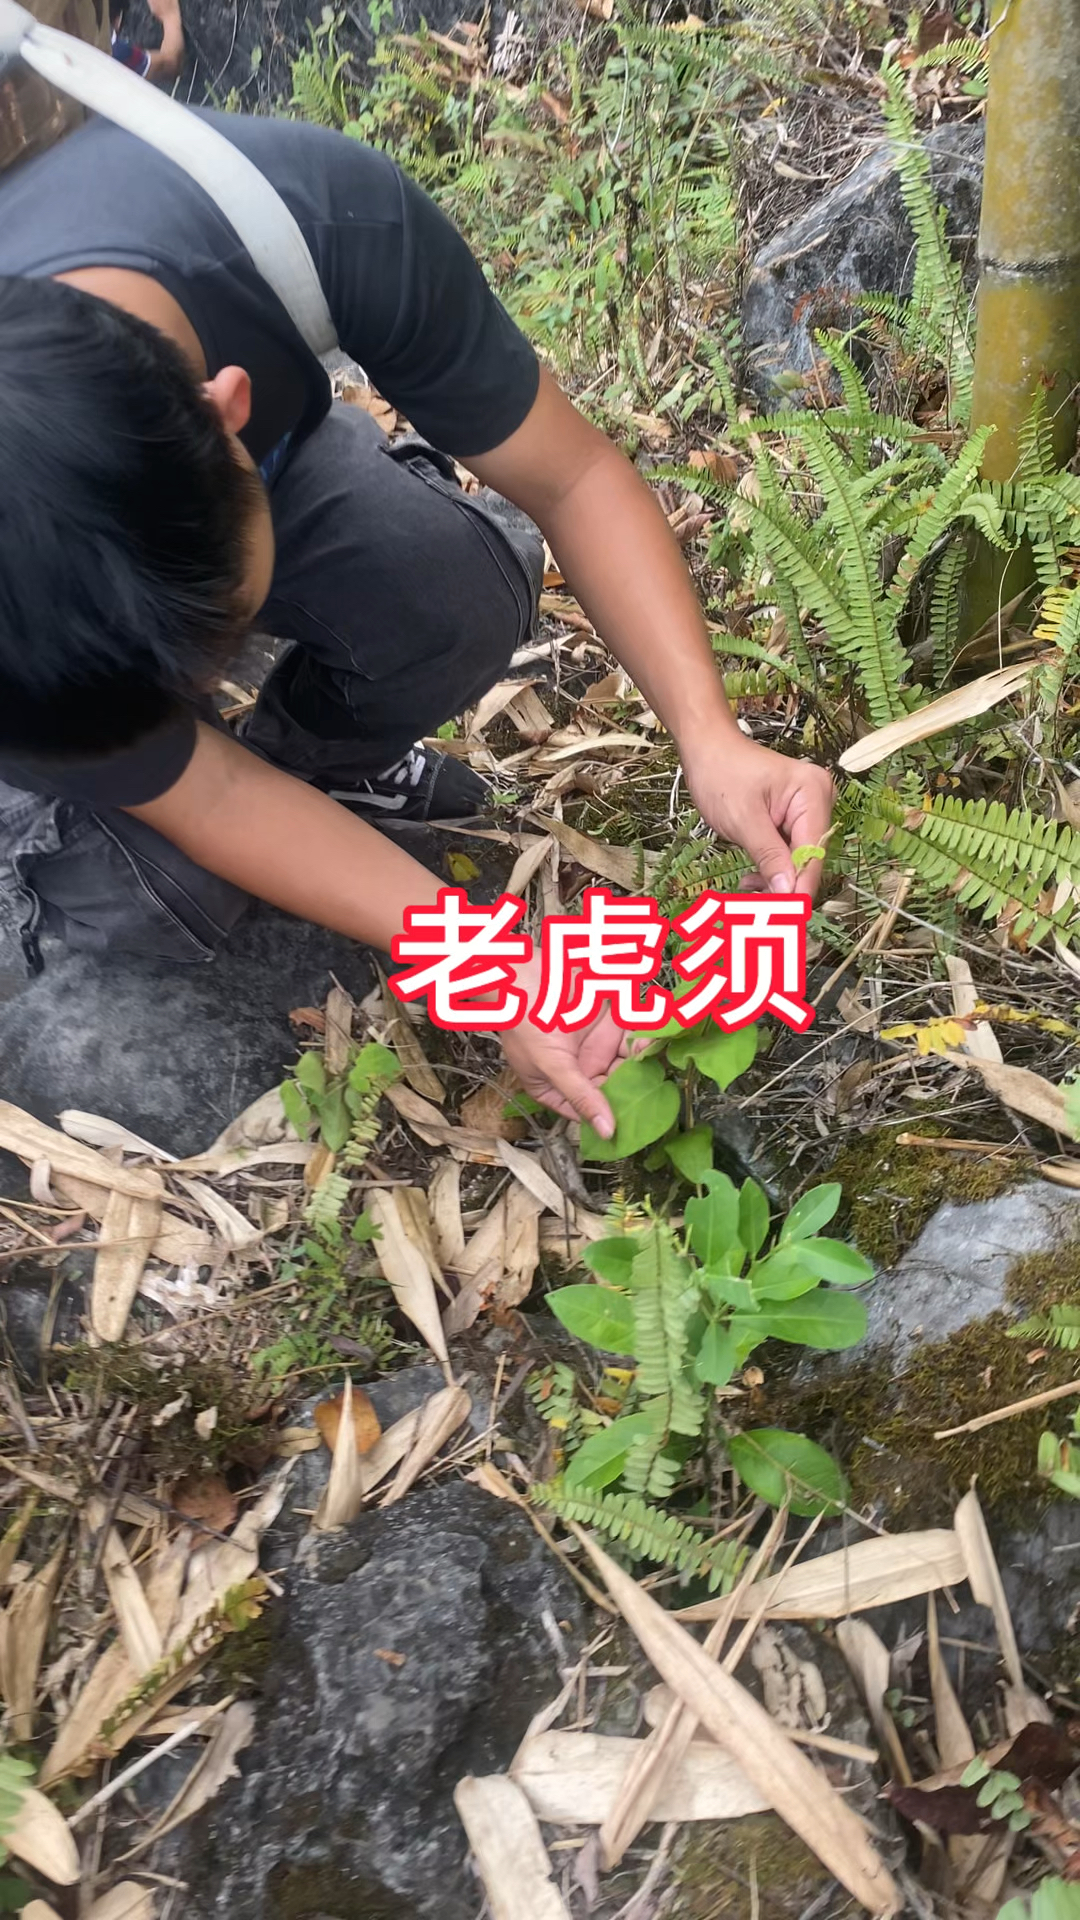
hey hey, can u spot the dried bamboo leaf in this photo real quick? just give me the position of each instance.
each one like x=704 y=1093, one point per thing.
x=94 y=1130
x=980 y=1040
x=1022 y=1705
x=337 y=1046
x=27 y=1625
x=534 y=851
x=871 y=1573
x=262 y=1124
x=521 y=1254
x=401 y=1035
x=388 y=1452
x=214 y=1766
x=527 y=1169
x=128 y=1901
x=406 y=1272
x=952 y=1735
x=578 y=1777
x=494 y=701
x=783 y=1775
x=938 y=716
x=440 y=1416
x=129 y=1230
x=868 y=1658
x=416 y=1219
x=1018 y=1087
x=435 y=1130
x=444 y=1200
x=39 y=1910
x=21 y=1134
x=180 y=1242
x=621 y=865
x=41 y=1838
x=138 y=1628
x=510 y=1855
x=343 y=1495
x=232 y=1226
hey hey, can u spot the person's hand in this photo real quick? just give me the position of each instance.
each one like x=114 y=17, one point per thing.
x=164 y=9
x=565 y=1071
x=765 y=803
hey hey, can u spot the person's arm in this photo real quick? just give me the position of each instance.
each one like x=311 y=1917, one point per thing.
x=622 y=561
x=166 y=61
x=289 y=844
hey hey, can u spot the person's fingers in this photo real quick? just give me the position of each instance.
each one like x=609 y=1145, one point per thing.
x=768 y=850
x=601 y=1046
x=584 y=1098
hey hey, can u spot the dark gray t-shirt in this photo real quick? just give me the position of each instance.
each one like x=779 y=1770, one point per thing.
x=408 y=300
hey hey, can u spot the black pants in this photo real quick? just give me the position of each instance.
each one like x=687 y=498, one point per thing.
x=405 y=599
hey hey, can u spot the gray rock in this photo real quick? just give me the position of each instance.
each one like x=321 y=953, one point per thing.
x=345 y=1804
x=956 y=1271
x=173 y=1051
x=856 y=239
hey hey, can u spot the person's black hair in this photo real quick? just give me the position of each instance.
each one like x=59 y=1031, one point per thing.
x=124 y=518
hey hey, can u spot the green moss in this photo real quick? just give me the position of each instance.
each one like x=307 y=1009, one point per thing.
x=881 y=1422
x=732 y=1868
x=240 y=1660
x=173 y=1448
x=892 y=1191
x=1039 y=1281
x=329 y=1893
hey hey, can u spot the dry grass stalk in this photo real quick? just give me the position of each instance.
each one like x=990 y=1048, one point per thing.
x=783 y=1775
x=510 y=1855
x=343 y=1495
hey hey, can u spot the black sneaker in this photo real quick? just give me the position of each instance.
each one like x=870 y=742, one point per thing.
x=422 y=785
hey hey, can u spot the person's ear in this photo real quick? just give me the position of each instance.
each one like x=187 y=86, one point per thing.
x=229 y=393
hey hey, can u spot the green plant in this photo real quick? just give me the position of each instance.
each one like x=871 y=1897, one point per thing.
x=646 y=1097
x=15 y=1776
x=1059 y=1460
x=999 y=1790
x=1053 y=1899
x=689 y=1309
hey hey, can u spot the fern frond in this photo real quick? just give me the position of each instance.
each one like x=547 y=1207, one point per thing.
x=1060 y=1327
x=645 y=1530
x=326 y=1205
x=945 y=607
x=664 y=1299
x=999 y=863
x=1058 y=626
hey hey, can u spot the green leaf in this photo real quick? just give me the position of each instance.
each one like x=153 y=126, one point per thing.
x=720 y=1056
x=598 y=1315
x=311 y=1073
x=775 y=1464
x=335 y=1120
x=782 y=1275
x=364 y=1230
x=834 y=1260
x=728 y=1290
x=712 y=1219
x=15 y=1894
x=601 y=1458
x=828 y=1322
x=802 y=856
x=611 y=1259
x=975 y=1771
x=717 y=1356
x=645 y=1104
x=753 y=1216
x=295 y=1107
x=812 y=1212
x=691 y=1154
x=374 y=1064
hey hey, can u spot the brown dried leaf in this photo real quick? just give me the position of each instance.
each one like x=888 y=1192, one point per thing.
x=868 y=1658
x=869 y=1573
x=1018 y=1087
x=371 y=402
x=205 y=1496
x=578 y=1777
x=340 y=1008
x=486 y=1111
x=128 y=1901
x=938 y=716
x=721 y=466
x=21 y=1134
x=444 y=1200
x=620 y=865
x=366 y=1424
x=401 y=1035
x=214 y=1766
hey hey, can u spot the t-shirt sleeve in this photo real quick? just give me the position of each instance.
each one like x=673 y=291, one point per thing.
x=131 y=778
x=412 y=306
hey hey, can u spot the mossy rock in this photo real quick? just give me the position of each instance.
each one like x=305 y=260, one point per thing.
x=892 y=1191
x=731 y=1869
x=881 y=1417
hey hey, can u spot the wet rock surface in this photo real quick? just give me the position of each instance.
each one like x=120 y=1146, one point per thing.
x=409 y=1651
x=856 y=239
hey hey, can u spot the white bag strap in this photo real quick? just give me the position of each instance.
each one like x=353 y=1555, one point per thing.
x=254 y=209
